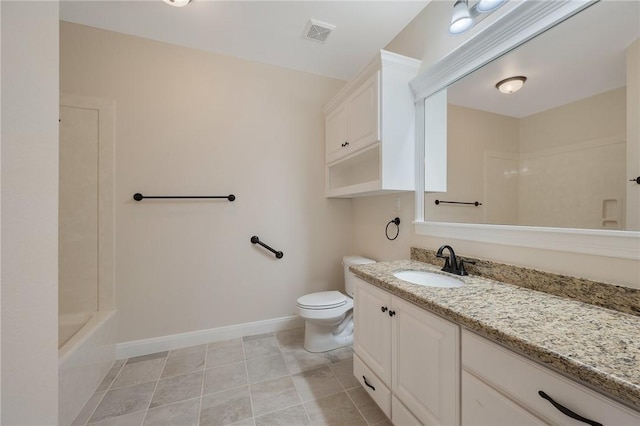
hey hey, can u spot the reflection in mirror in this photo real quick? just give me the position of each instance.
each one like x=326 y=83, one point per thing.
x=554 y=153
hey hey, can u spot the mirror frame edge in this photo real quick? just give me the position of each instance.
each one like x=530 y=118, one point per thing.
x=524 y=22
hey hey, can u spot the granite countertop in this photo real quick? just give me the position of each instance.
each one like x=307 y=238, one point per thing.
x=598 y=346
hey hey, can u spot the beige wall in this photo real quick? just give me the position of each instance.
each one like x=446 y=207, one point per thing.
x=189 y=122
x=29 y=211
x=371 y=213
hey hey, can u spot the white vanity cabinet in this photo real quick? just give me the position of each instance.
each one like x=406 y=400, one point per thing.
x=500 y=387
x=370 y=130
x=406 y=358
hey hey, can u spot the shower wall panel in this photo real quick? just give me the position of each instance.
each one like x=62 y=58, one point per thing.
x=78 y=240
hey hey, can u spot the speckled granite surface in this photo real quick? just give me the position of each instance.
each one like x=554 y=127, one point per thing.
x=598 y=346
x=609 y=296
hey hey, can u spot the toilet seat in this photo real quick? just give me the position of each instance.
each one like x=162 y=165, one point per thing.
x=325 y=306
x=322 y=300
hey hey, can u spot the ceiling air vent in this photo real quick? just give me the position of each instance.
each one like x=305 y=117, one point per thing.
x=317 y=31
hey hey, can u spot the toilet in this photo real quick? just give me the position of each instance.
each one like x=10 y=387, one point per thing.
x=328 y=315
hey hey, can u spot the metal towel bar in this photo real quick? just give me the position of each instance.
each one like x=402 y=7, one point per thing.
x=256 y=240
x=475 y=203
x=138 y=196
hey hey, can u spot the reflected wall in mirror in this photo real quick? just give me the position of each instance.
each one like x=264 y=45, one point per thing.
x=553 y=154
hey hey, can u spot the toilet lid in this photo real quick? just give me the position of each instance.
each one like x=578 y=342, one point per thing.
x=322 y=300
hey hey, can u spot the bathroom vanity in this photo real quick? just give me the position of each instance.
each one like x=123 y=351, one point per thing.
x=491 y=353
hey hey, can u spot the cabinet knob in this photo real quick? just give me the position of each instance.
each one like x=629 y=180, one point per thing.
x=384 y=309
x=392 y=313
x=345 y=144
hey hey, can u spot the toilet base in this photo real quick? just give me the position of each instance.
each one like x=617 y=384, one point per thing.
x=320 y=338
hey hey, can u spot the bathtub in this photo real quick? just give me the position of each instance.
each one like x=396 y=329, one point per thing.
x=70 y=324
x=86 y=354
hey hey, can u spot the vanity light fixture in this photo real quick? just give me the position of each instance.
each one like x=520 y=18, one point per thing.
x=511 y=84
x=177 y=3
x=484 y=6
x=464 y=18
x=461 y=19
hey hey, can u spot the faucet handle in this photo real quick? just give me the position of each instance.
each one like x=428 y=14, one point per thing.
x=461 y=267
x=447 y=264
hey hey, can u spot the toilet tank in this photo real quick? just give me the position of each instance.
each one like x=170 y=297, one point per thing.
x=348 y=275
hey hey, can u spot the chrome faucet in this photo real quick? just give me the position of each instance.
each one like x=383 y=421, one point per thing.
x=451 y=264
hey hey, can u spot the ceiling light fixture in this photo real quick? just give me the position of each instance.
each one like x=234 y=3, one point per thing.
x=464 y=18
x=511 y=84
x=177 y=3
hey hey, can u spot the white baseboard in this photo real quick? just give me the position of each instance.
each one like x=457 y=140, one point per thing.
x=175 y=341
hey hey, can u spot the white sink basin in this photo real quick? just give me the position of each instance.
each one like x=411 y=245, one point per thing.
x=428 y=279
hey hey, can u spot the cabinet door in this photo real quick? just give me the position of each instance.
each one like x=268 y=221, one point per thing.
x=401 y=416
x=335 y=127
x=484 y=406
x=372 y=329
x=426 y=364
x=363 y=114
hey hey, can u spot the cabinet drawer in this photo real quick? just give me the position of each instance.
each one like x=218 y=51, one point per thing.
x=484 y=406
x=521 y=379
x=401 y=415
x=373 y=385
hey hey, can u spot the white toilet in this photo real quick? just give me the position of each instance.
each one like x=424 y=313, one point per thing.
x=328 y=314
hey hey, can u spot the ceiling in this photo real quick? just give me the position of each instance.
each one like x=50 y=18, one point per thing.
x=263 y=31
x=581 y=57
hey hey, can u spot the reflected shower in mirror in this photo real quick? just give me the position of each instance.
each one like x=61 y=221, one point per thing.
x=552 y=154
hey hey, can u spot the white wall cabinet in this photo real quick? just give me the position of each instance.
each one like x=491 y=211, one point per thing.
x=370 y=130
x=411 y=354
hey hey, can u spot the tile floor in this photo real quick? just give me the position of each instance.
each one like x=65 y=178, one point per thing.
x=268 y=379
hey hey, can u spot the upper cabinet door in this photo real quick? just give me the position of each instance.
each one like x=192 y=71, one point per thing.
x=336 y=132
x=363 y=109
x=355 y=123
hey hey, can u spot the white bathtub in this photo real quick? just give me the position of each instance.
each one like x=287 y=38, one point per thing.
x=83 y=360
x=70 y=324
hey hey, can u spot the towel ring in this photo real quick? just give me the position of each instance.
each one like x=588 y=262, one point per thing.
x=395 y=221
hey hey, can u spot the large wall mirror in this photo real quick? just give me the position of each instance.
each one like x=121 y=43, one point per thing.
x=553 y=154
